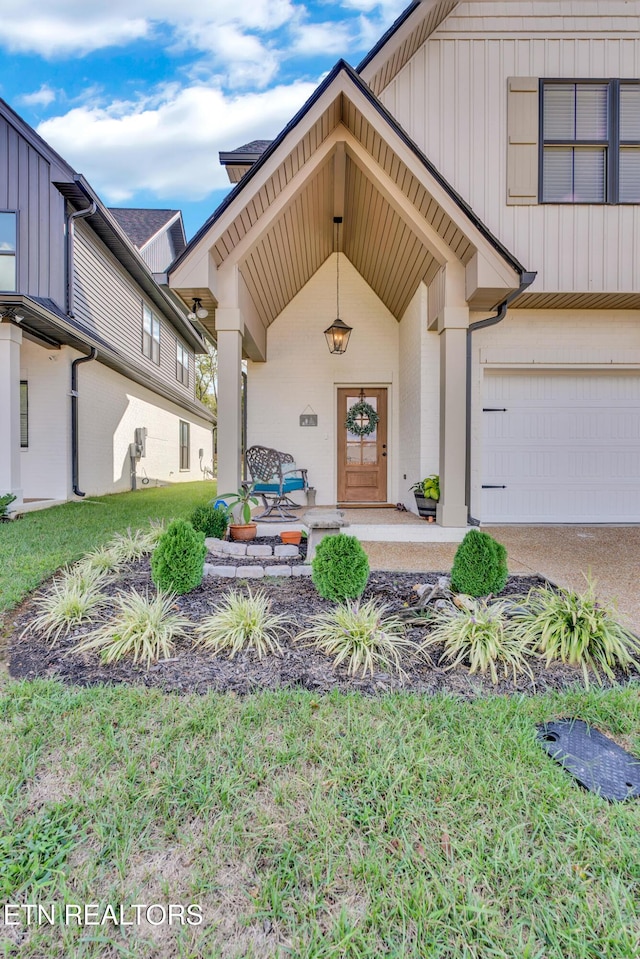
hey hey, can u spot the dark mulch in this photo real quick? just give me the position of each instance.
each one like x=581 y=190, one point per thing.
x=194 y=671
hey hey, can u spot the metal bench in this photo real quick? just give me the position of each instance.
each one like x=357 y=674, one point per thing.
x=273 y=476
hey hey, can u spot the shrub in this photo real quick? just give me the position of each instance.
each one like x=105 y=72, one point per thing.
x=142 y=627
x=210 y=520
x=73 y=596
x=178 y=560
x=340 y=568
x=129 y=547
x=102 y=559
x=483 y=636
x=479 y=566
x=575 y=628
x=5 y=503
x=242 y=622
x=362 y=635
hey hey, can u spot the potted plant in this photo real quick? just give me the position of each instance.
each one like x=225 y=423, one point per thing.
x=427 y=494
x=291 y=537
x=240 y=504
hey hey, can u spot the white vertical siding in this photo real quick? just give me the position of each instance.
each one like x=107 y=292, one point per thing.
x=452 y=99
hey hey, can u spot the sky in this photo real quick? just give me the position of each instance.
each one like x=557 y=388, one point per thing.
x=141 y=95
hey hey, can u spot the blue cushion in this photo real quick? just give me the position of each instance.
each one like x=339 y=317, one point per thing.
x=288 y=486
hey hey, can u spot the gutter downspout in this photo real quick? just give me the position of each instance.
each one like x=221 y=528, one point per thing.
x=526 y=279
x=244 y=424
x=74 y=419
x=71 y=218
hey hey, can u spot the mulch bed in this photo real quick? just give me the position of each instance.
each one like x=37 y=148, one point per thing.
x=194 y=671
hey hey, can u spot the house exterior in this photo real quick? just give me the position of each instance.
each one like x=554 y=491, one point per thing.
x=476 y=182
x=94 y=355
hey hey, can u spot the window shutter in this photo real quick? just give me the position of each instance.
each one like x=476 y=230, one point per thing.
x=522 y=140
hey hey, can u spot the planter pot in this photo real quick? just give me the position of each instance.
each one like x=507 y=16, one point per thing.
x=426 y=507
x=291 y=537
x=243 y=531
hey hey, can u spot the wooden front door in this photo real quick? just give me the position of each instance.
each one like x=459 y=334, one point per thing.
x=362 y=460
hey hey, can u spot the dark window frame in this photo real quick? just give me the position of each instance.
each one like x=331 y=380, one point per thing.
x=184 y=433
x=612 y=144
x=182 y=363
x=151 y=343
x=14 y=254
x=24 y=415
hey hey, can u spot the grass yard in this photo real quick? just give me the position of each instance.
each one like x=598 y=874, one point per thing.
x=338 y=826
x=31 y=549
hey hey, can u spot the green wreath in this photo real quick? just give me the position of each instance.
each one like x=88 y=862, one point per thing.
x=353 y=421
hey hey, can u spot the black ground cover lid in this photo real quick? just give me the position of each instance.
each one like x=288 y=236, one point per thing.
x=599 y=764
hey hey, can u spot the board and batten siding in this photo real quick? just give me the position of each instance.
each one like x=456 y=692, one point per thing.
x=26 y=188
x=107 y=302
x=158 y=254
x=452 y=99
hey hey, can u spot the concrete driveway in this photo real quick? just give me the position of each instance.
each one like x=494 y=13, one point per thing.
x=565 y=554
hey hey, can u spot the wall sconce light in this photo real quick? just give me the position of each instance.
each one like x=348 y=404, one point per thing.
x=338 y=333
x=198 y=311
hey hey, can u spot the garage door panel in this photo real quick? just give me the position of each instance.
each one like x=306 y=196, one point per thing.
x=566 y=449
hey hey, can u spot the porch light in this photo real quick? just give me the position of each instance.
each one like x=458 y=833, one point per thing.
x=198 y=311
x=338 y=333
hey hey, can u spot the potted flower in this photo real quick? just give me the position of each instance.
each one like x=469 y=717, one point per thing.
x=240 y=504
x=427 y=494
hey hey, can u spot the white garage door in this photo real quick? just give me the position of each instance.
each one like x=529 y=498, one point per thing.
x=561 y=447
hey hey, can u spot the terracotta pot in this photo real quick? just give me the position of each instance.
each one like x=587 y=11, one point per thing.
x=243 y=531
x=292 y=537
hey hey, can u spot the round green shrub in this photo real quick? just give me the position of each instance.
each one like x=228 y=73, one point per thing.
x=340 y=568
x=177 y=562
x=210 y=520
x=479 y=566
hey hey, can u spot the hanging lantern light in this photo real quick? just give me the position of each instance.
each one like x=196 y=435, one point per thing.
x=338 y=333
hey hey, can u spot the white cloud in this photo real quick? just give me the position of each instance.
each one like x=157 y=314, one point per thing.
x=315 y=38
x=169 y=147
x=39 y=98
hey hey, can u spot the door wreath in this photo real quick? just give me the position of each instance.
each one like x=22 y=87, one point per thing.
x=362 y=419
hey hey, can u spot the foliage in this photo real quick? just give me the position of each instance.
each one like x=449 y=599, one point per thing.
x=73 y=596
x=483 y=636
x=576 y=629
x=340 y=567
x=178 y=560
x=210 y=520
x=33 y=854
x=242 y=622
x=103 y=559
x=428 y=487
x=207 y=378
x=364 y=635
x=44 y=540
x=479 y=566
x=5 y=503
x=129 y=547
x=241 y=501
x=142 y=627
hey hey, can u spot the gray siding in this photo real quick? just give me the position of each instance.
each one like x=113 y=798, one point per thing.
x=159 y=254
x=25 y=186
x=108 y=302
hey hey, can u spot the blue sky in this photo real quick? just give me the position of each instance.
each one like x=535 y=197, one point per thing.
x=141 y=95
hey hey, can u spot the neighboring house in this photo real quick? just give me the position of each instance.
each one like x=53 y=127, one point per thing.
x=483 y=163
x=94 y=355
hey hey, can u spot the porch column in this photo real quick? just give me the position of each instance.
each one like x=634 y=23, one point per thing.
x=452 y=508
x=229 y=399
x=10 y=472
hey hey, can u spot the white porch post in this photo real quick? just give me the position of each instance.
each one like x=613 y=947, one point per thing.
x=228 y=327
x=452 y=508
x=10 y=472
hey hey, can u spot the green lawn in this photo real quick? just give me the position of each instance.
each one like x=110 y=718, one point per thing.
x=315 y=827
x=32 y=548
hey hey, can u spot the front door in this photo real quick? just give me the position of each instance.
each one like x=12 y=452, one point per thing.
x=362 y=459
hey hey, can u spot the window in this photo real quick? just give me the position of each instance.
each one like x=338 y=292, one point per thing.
x=24 y=414
x=182 y=364
x=590 y=134
x=184 y=445
x=8 y=252
x=150 y=335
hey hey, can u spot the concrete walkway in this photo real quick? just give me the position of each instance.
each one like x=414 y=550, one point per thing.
x=562 y=553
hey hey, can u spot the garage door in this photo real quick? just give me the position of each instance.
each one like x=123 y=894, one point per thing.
x=561 y=447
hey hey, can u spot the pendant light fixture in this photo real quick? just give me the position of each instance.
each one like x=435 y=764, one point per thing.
x=338 y=333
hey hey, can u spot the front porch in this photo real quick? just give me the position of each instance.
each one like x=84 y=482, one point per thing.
x=374 y=525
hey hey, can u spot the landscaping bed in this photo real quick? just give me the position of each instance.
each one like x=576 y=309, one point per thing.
x=193 y=670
